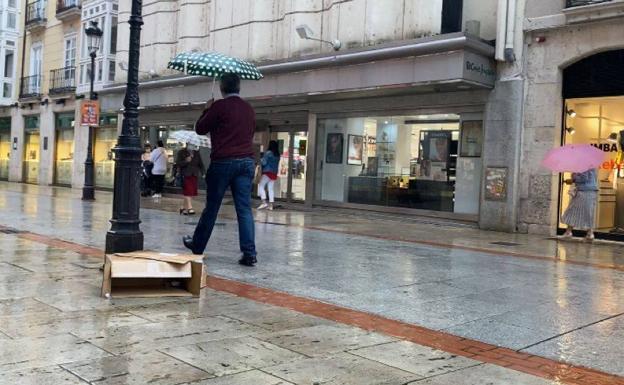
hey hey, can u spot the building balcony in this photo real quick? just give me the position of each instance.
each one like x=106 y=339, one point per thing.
x=63 y=81
x=36 y=15
x=68 y=9
x=580 y=3
x=30 y=87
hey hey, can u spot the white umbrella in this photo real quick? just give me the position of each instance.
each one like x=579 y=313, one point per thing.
x=191 y=137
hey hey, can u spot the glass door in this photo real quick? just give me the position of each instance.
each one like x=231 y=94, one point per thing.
x=293 y=147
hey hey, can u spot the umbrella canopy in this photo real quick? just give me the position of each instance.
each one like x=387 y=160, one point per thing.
x=190 y=137
x=573 y=158
x=213 y=64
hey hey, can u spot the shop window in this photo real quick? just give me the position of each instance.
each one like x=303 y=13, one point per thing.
x=64 y=149
x=31 y=150
x=599 y=122
x=5 y=147
x=105 y=140
x=405 y=161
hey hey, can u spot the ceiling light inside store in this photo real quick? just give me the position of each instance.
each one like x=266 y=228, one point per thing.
x=571 y=113
x=613 y=137
x=386 y=122
x=571 y=130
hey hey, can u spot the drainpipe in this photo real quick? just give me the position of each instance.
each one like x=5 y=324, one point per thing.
x=510 y=56
x=21 y=79
x=501 y=29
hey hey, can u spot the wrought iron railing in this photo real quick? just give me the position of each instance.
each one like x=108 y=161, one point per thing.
x=63 y=80
x=36 y=11
x=64 y=5
x=580 y=3
x=30 y=86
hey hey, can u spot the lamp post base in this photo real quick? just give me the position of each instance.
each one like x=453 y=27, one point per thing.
x=123 y=242
x=88 y=194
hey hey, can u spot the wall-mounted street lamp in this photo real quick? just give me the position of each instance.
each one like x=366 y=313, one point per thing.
x=306 y=33
x=94 y=40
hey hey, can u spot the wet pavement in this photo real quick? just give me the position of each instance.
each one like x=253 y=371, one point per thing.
x=561 y=301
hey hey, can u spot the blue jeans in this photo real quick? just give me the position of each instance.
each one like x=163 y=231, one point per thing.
x=237 y=174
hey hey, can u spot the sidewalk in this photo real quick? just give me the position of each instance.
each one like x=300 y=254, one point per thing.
x=561 y=301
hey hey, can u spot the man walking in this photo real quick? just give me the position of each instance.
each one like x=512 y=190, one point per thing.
x=231 y=123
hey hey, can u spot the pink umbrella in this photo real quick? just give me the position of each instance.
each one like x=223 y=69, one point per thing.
x=573 y=158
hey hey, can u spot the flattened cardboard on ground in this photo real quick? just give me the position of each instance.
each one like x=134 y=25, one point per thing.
x=153 y=274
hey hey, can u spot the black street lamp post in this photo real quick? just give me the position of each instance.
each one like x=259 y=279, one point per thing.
x=125 y=234
x=94 y=38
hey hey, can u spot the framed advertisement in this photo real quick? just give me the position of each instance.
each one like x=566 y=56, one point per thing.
x=496 y=183
x=437 y=145
x=335 y=144
x=471 y=139
x=356 y=149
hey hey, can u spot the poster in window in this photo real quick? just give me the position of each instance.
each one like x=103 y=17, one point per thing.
x=335 y=144
x=496 y=183
x=356 y=149
x=471 y=139
x=438 y=146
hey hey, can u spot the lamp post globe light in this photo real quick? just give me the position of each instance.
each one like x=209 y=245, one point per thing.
x=94 y=39
x=124 y=234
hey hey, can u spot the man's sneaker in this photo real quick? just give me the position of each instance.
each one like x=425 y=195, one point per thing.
x=271 y=207
x=263 y=206
x=248 y=261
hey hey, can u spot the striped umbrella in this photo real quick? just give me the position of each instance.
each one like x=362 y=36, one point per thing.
x=191 y=137
x=213 y=64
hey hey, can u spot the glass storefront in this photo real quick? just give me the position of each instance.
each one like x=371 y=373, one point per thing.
x=31 y=149
x=292 y=170
x=599 y=122
x=398 y=161
x=105 y=139
x=64 y=149
x=5 y=147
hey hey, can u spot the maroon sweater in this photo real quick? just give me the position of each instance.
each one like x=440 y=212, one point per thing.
x=231 y=123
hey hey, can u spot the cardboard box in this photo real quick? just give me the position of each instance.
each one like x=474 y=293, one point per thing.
x=153 y=274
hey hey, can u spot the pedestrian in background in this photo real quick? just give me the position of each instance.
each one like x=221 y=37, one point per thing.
x=231 y=123
x=270 y=166
x=158 y=157
x=146 y=175
x=582 y=208
x=190 y=167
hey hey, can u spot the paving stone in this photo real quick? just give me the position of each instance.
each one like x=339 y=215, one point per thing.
x=146 y=337
x=52 y=375
x=324 y=339
x=26 y=353
x=211 y=303
x=233 y=355
x=20 y=306
x=341 y=369
x=413 y=358
x=252 y=377
x=9 y=270
x=486 y=375
x=591 y=346
x=497 y=333
x=53 y=323
x=90 y=299
x=152 y=368
x=275 y=319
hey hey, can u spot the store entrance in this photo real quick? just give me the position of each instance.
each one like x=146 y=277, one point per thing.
x=599 y=122
x=593 y=113
x=293 y=147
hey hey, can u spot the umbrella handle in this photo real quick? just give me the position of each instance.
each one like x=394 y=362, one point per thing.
x=214 y=80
